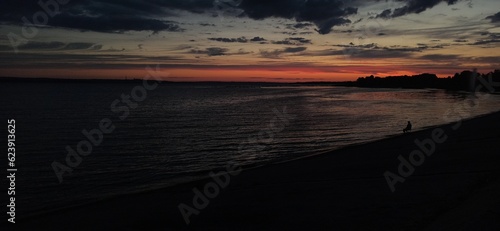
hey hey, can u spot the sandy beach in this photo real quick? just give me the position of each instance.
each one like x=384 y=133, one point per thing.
x=455 y=186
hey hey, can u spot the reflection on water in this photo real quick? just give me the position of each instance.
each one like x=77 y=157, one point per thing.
x=182 y=130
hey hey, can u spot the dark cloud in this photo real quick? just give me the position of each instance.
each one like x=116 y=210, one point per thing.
x=112 y=49
x=206 y=24
x=487 y=59
x=494 y=18
x=371 y=50
x=405 y=49
x=358 y=21
x=275 y=54
x=386 y=53
x=216 y=51
x=355 y=52
x=242 y=52
x=301 y=40
x=460 y=59
x=113 y=24
x=240 y=40
x=485 y=42
x=325 y=27
x=491 y=35
x=58 y=60
x=82 y=46
x=290 y=33
x=413 y=7
x=385 y=14
x=41 y=46
x=230 y=40
x=327 y=52
x=295 y=41
x=294 y=49
x=212 y=51
x=351 y=45
x=439 y=46
x=439 y=57
x=52 y=46
x=373 y=46
x=301 y=25
x=258 y=39
x=325 y=14
x=102 y=15
x=460 y=40
x=284 y=42
x=182 y=47
x=148 y=15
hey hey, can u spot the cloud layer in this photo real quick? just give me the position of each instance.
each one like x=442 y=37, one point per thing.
x=146 y=15
x=149 y=15
x=494 y=18
x=413 y=7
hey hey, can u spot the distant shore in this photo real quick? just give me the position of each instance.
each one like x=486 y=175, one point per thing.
x=464 y=81
x=346 y=189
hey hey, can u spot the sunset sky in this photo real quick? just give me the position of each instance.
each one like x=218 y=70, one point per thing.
x=247 y=40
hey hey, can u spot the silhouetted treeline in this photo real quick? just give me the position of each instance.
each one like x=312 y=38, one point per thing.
x=460 y=81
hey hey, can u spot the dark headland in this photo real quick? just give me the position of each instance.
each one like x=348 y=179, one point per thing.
x=466 y=81
x=463 y=81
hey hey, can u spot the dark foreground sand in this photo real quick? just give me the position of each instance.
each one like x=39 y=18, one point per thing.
x=456 y=188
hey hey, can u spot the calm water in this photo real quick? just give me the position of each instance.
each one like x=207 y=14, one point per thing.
x=180 y=131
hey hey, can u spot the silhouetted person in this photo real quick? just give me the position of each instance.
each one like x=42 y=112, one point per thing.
x=408 y=128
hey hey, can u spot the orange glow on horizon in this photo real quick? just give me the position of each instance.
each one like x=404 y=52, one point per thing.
x=262 y=74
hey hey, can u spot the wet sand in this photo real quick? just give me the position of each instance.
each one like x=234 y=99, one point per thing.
x=455 y=187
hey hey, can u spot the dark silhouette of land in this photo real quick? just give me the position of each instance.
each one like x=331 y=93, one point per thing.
x=464 y=81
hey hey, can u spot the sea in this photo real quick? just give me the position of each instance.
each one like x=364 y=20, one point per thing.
x=178 y=132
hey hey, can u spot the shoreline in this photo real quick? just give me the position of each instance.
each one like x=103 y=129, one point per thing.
x=204 y=175
x=182 y=190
